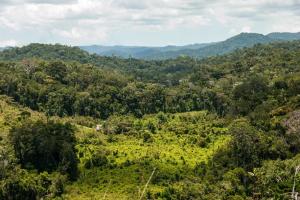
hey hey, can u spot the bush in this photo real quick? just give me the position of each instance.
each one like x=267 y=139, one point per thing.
x=162 y=117
x=250 y=94
x=151 y=127
x=97 y=160
x=147 y=137
x=45 y=146
x=200 y=169
x=22 y=185
x=15 y=189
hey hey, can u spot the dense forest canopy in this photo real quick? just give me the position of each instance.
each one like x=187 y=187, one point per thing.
x=221 y=84
x=223 y=127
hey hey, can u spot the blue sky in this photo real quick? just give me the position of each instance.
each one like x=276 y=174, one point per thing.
x=141 y=22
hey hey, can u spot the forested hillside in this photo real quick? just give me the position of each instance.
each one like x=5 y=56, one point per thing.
x=223 y=127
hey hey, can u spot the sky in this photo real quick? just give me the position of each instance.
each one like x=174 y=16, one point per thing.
x=141 y=22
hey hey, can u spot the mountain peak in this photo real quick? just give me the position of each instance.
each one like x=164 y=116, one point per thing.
x=244 y=35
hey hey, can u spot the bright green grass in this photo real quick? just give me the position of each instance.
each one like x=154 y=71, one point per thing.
x=171 y=152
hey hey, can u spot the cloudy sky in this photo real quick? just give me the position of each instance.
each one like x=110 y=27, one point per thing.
x=141 y=22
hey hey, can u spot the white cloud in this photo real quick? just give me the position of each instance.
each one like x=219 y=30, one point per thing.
x=246 y=29
x=290 y=23
x=91 y=21
x=77 y=34
x=8 y=43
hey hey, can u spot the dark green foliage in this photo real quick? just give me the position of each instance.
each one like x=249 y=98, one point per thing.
x=97 y=160
x=249 y=147
x=16 y=190
x=234 y=83
x=250 y=98
x=147 y=137
x=58 y=70
x=51 y=52
x=292 y=126
x=275 y=178
x=250 y=94
x=246 y=145
x=65 y=90
x=22 y=185
x=45 y=146
x=200 y=169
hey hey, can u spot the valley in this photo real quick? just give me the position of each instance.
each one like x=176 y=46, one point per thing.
x=223 y=127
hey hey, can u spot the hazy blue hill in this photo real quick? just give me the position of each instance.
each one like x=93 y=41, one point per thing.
x=137 y=51
x=121 y=51
x=3 y=48
x=284 y=36
x=102 y=54
x=194 y=50
x=151 y=53
x=191 y=46
x=240 y=41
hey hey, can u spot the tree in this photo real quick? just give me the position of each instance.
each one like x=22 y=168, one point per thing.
x=245 y=146
x=250 y=94
x=57 y=70
x=45 y=146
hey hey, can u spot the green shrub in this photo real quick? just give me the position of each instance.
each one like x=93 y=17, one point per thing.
x=97 y=160
x=147 y=137
x=45 y=146
x=22 y=185
x=151 y=127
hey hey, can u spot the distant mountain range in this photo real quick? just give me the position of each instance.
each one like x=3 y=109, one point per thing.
x=195 y=50
x=137 y=51
x=4 y=48
x=239 y=41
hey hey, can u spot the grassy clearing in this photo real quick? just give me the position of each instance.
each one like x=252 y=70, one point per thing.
x=173 y=146
x=173 y=150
